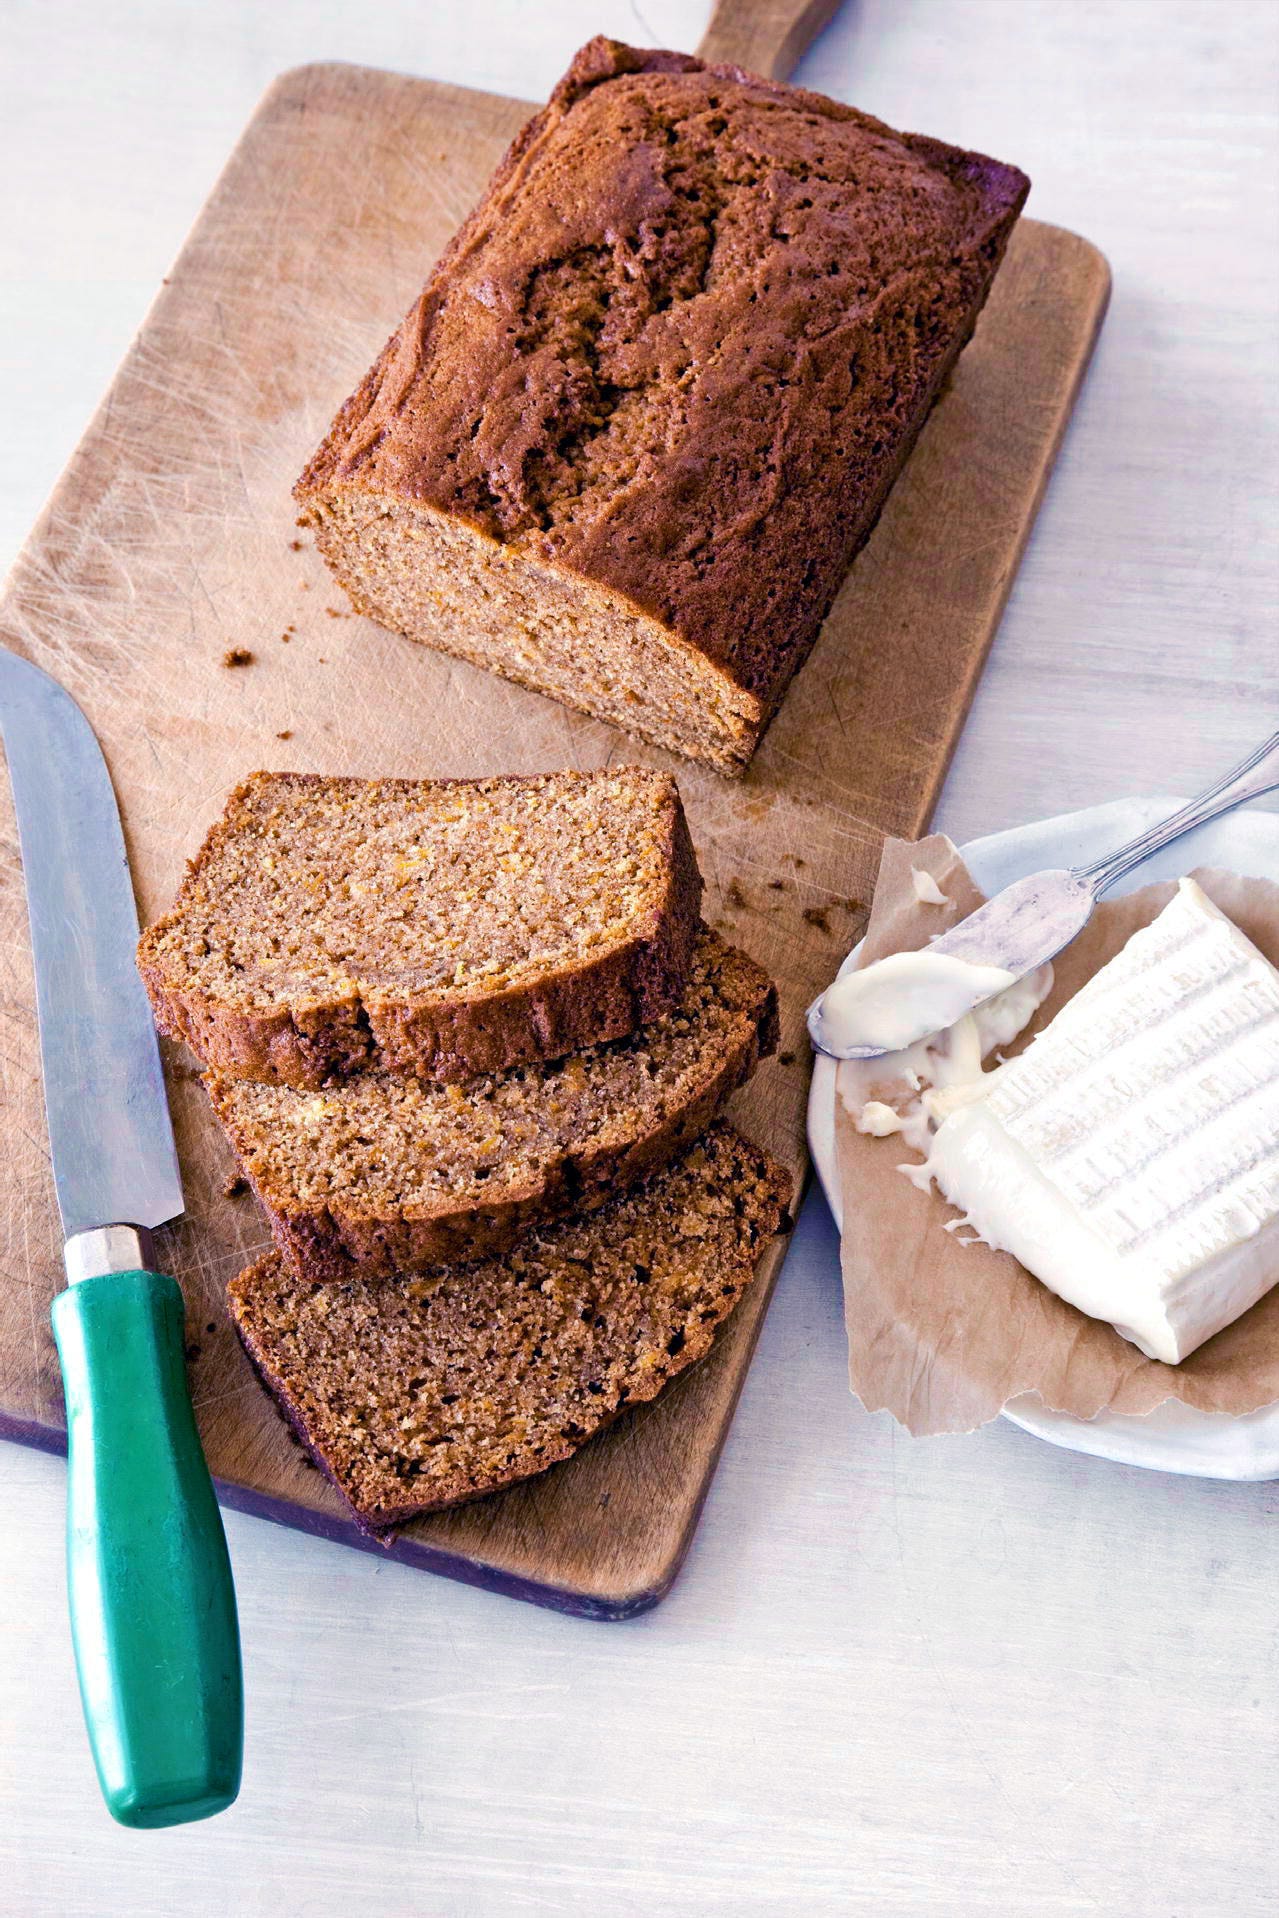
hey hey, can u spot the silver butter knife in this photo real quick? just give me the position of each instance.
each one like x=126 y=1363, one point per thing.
x=153 y=1612
x=1030 y=921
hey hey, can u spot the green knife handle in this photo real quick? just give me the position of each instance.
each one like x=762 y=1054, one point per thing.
x=153 y=1614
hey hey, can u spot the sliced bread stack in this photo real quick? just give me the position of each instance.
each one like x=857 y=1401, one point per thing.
x=459 y=1034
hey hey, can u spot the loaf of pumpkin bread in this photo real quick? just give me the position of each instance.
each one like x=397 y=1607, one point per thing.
x=625 y=445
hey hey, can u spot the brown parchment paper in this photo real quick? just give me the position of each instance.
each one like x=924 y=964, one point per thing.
x=943 y=1335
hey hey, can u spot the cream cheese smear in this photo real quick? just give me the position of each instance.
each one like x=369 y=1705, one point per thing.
x=893 y=1093
x=890 y=1003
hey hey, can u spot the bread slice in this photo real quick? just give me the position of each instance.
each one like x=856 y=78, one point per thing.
x=437 y=927
x=425 y=1394
x=388 y=1175
x=627 y=442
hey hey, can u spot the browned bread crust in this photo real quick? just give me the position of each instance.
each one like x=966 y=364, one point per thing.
x=415 y=1396
x=277 y=860
x=386 y=1176
x=656 y=391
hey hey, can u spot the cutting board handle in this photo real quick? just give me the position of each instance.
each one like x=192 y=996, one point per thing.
x=764 y=36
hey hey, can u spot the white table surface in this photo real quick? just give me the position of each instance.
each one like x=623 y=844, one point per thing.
x=908 y=1678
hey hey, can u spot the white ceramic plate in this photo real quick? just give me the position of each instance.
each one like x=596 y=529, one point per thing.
x=1172 y=1438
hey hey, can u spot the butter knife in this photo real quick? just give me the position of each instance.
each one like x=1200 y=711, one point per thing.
x=1029 y=922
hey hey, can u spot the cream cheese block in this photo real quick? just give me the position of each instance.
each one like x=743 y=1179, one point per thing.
x=1129 y=1158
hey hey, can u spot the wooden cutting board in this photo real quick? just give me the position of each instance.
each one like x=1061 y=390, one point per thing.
x=170 y=540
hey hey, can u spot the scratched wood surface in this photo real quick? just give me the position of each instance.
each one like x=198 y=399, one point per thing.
x=170 y=540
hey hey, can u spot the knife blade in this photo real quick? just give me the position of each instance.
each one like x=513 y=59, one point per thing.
x=152 y=1604
x=110 y=1135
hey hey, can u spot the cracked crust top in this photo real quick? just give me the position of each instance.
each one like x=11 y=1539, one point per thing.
x=682 y=346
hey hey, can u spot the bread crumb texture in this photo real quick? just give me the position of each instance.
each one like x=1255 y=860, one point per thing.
x=421 y=1394
x=392 y=1174
x=441 y=927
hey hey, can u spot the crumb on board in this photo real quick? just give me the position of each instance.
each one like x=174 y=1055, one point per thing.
x=286 y=734
x=786 y=1058
x=816 y=916
x=736 y=896
x=777 y=885
x=234 y=1188
x=237 y=656
x=304 y=1456
x=337 y=612
x=296 y=545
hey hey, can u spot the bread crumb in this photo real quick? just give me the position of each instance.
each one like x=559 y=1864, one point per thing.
x=337 y=612
x=237 y=656
x=786 y=1058
x=816 y=916
x=235 y=1187
x=777 y=885
x=296 y=545
x=736 y=896
x=286 y=734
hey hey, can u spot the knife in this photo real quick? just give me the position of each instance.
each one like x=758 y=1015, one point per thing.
x=1030 y=921
x=153 y=1616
